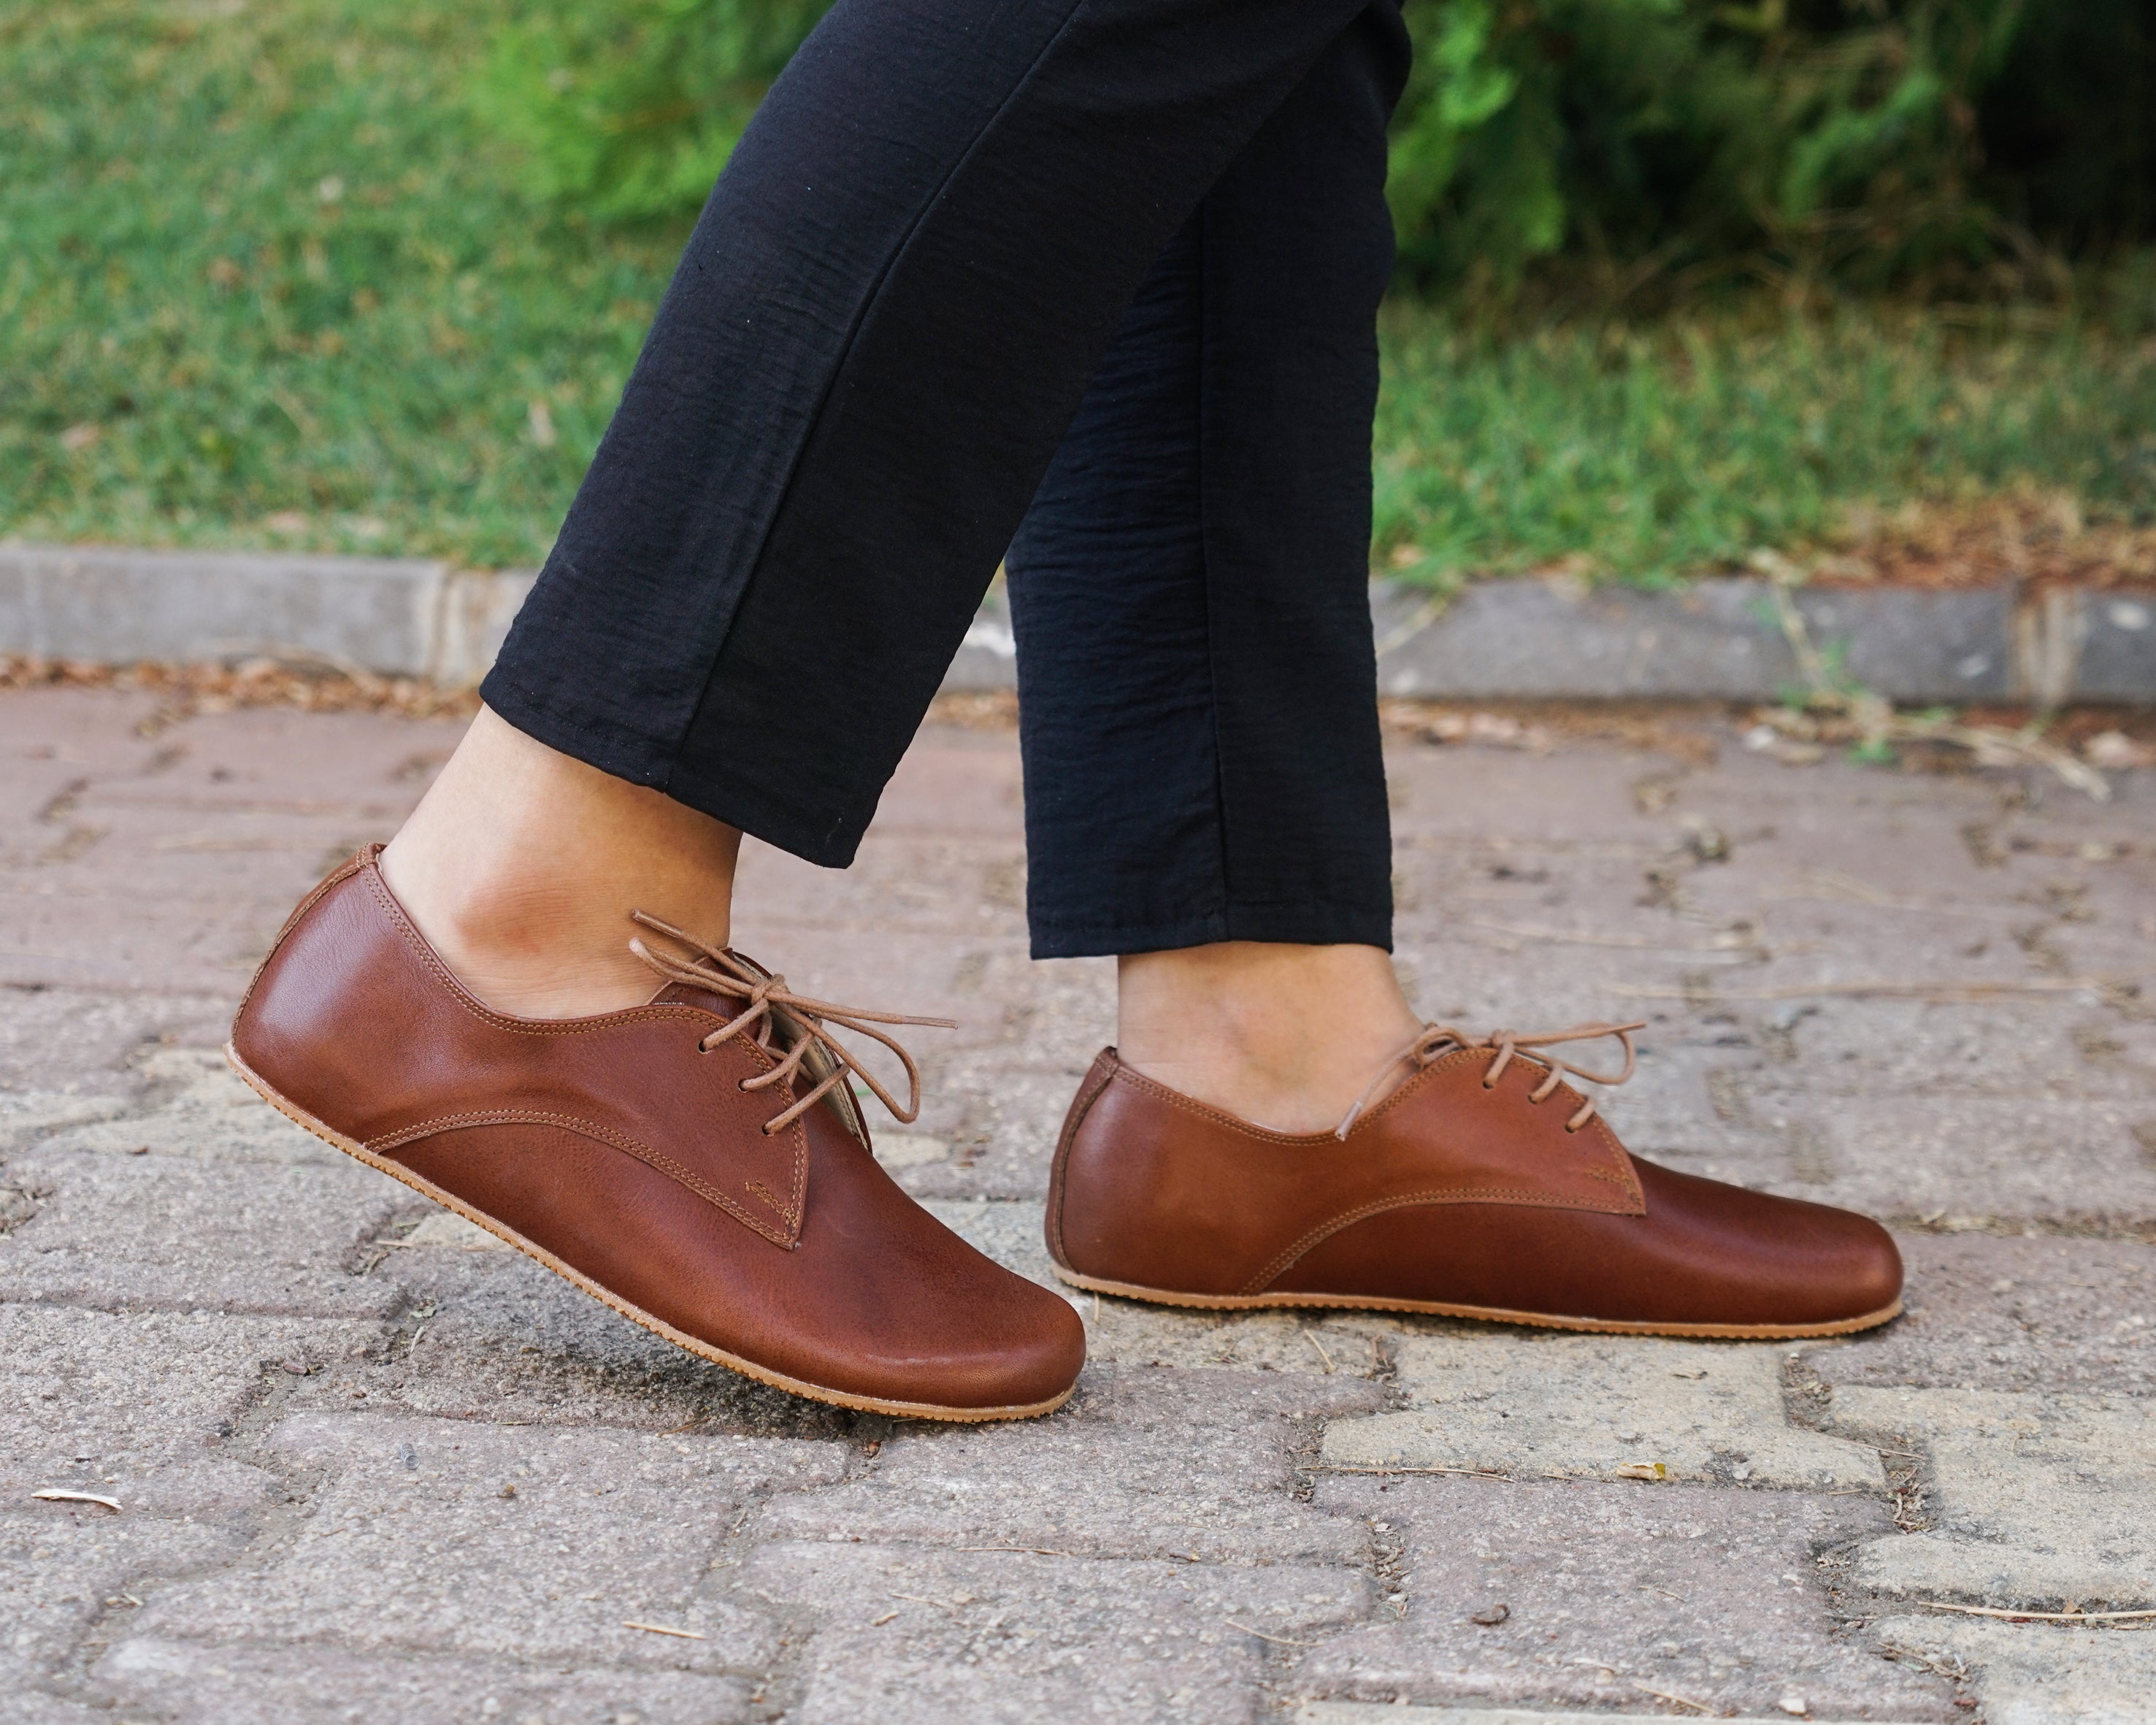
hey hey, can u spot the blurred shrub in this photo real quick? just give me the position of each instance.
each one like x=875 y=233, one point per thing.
x=627 y=109
x=1663 y=143
x=1670 y=142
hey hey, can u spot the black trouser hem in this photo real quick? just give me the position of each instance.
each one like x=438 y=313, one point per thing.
x=645 y=760
x=641 y=760
x=1307 y=925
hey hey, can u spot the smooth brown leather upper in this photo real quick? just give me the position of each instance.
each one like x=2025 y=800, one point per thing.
x=615 y=1144
x=1447 y=1192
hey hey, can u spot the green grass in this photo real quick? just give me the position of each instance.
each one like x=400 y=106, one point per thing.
x=1674 y=451
x=265 y=280
x=260 y=260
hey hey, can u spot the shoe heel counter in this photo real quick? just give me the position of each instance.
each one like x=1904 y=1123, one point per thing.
x=284 y=1010
x=1062 y=1177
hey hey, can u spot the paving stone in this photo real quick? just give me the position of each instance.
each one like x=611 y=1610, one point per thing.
x=1056 y=1012
x=141 y=875
x=1590 y=1407
x=1000 y=1097
x=1133 y=1333
x=1613 y=1593
x=2012 y=1315
x=204 y=1111
x=917 y=1637
x=1005 y=1114
x=1008 y=1231
x=39 y=1706
x=491 y=1335
x=953 y=883
x=1192 y=1463
x=1861 y=1048
x=446 y=1229
x=65 y=1567
x=174 y=1232
x=451 y=1536
x=1454 y=982
x=53 y=1039
x=1364 y=1712
x=2037 y=1674
x=27 y=1115
x=54 y=734
x=1797 y=1095
x=1977 y=1159
x=135 y=1405
x=176 y=857
x=211 y=1199
x=1346 y=1345
x=252 y=1683
x=936 y=926
x=1986 y=1111
x=2041 y=1499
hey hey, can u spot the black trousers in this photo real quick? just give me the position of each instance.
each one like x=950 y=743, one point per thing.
x=1092 y=282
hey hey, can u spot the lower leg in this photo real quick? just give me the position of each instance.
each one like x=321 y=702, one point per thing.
x=522 y=866
x=1281 y=1035
x=1206 y=789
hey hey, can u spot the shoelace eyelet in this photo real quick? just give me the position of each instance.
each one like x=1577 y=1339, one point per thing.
x=766 y=1001
x=1439 y=1040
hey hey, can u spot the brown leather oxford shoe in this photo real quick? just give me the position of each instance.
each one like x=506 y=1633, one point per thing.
x=698 y=1163
x=1484 y=1187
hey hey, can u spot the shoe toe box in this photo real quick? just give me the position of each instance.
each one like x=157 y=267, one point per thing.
x=1747 y=1256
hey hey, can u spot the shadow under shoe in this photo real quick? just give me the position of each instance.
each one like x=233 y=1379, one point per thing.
x=1482 y=1187
x=659 y=1158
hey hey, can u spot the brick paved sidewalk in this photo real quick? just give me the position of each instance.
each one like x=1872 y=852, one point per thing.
x=369 y=1468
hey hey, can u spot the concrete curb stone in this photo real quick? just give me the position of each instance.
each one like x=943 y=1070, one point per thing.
x=2047 y=1674
x=397 y=617
x=1521 y=639
x=1557 y=640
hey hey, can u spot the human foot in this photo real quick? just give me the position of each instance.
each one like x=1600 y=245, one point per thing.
x=523 y=865
x=1279 y=1035
x=695 y=1162
x=1483 y=1186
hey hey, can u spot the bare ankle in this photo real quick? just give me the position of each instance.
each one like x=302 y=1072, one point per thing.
x=1285 y=1037
x=522 y=866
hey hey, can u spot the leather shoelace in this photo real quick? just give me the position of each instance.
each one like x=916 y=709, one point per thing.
x=721 y=973
x=1439 y=1040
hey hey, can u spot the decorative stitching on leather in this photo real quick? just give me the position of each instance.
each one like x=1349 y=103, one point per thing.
x=1480 y=1195
x=656 y=1159
x=518 y=1027
x=371 y=872
x=1621 y=1164
x=1312 y=1140
x=1625 y=1175
x=344 y=872
x=1400 y=1092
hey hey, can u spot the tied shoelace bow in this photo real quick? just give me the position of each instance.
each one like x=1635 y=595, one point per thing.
x=1439 y=1040
x=764 y=998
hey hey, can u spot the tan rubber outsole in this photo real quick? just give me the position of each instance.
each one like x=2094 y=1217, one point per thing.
x=1490 y=1314
x=636 y=1314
